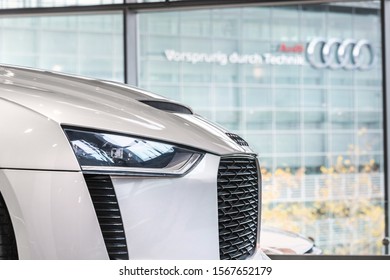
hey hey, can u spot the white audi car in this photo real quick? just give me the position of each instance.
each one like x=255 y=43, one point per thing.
x=93 y=169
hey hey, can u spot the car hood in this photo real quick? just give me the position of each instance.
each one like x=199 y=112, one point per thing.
x=110 y=106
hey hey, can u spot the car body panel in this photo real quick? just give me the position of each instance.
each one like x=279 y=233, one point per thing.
x=92 y=104
x=52 y=215
x=29 y=145
x=164 y=218
x=171 y=218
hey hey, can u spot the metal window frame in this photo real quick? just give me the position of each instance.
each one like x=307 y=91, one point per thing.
x=162 y=5
x=130 y=46
x=385 y=31
x=130 y=49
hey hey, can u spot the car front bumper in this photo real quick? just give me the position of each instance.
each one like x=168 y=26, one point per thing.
x=163 y=218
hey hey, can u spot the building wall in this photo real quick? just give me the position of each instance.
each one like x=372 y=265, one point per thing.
x=318 y=131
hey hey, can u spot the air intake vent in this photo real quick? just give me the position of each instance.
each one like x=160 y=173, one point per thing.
x=8 y=249
x=237 y=139
x=168 y=106
x=107 y=210
x=238 y=207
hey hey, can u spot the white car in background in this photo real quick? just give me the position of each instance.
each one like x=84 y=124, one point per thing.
x=275 y=241
x=93 y=169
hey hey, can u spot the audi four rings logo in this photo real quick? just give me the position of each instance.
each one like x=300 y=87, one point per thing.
x=336 y=54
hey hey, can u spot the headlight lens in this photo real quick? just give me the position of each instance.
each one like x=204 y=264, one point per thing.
x=101 y=152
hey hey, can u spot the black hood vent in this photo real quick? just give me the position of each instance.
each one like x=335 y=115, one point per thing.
x=237 y=139
x=168 y=106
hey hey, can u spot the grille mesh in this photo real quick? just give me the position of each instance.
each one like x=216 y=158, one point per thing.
x=107 y=210
x=238 y=207
x=8 y=248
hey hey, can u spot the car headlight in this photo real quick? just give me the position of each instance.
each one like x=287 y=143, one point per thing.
x=103 y=152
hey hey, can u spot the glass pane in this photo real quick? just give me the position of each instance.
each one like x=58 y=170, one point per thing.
x=314 y=98
x=369 y=120
x=342 y=142
x=315 y=120
x=287 y=120
x=258 y=97
x=315 y=143
x=287 y=143
x=90 y=45
x=262 y=142
x=259 y=120
x=229 y=119
x=342 y=99
x=369 y=99
x=290 y=165
x=227 y=97
x=198 y=97
x=342 y=119
x=313 y=165
x=287 y=98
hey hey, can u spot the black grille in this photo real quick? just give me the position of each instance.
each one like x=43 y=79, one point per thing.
x=8 y=248
x=107 y=210
x=236 y=138
x=238 y=207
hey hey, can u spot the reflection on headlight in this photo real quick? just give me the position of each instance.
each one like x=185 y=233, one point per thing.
x=117 y=154
x=84 y=149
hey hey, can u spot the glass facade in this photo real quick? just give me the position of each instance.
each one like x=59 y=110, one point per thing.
x=302 y=84
x=85 y=44
x=317 y=128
